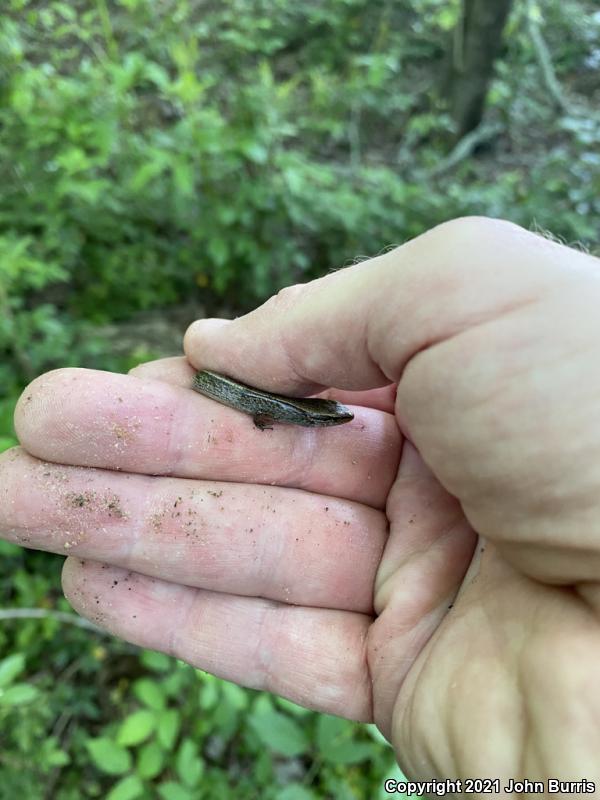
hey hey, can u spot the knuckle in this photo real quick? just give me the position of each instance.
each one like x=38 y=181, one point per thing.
x=485 y=232
x=286 y=299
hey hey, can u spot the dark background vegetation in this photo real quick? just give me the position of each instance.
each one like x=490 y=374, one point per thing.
x=164 y=160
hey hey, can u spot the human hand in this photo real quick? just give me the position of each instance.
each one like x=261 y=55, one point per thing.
x=481 y=659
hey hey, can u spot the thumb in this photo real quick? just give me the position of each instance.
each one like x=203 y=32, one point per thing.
x=359 y=327
x=491 y=333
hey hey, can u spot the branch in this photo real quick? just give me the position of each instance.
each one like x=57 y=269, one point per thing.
x=464 y=147
x=42 y=613
x=545 y=62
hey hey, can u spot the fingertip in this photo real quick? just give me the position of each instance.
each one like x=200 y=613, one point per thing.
x=27 y=399
x=174 y=369
x=199 y=338
x=38 y=397
x=71 y=572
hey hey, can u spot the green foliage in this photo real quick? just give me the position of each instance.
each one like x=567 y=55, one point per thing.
x=13 y=693
x=223 y=741
x=159 y=153
x=109 y=756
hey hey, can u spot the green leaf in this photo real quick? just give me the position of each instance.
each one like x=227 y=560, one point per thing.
x=73 y=159
x=11 y=667
x=295 y=791
x=156 y=74
x=331 y=728
x=58 y=758
x=157 y=662
x=336 y=743
x=256 y=152
x=234 y=695
x=9 y=549
x=151 y=760
x=149 y=170
x=18 y=695
x=189 y=766
x=293 y=708
x=6 y=442
x=109 y=756
x=348 y=752
x=377 y=736
x=218 y=250
x=209 y=692
x=136 y=728
x=167 y=724
x=280 y=733
x=127 y=788
x=175 y=791
x=183 y=178
x=150 y=693
x=22 y=99
x=178 y=679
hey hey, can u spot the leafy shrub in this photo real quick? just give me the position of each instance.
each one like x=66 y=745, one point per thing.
x=152 y=153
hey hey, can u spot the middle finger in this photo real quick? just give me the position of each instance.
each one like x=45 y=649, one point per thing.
x=282 y=544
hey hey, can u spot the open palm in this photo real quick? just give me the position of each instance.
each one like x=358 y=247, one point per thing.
x=432 y=566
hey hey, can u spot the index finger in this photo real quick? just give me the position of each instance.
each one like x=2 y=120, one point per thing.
x=134 y=424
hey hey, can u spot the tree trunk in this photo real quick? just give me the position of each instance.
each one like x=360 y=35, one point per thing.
x=477 y=41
